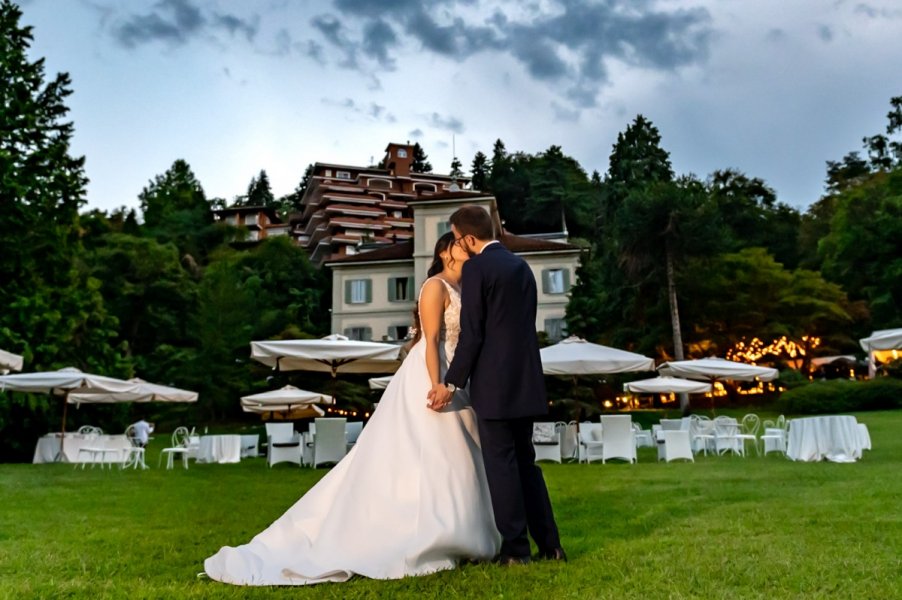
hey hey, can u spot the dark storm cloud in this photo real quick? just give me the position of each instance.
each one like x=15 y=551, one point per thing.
x=416 y=133
x=825 y=33
x=378 y=39
x=177 y=21
x=372 y=110
x=877 y=13
x=567 y=44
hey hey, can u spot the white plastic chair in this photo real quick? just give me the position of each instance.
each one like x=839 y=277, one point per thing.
x=643 y=437
x=546 y=441
x=775 y=436
x=617 y=438
x=283 y=444
x=590 y=444
x=676 y=445
x=748 y=432
x=569 y=440
x=701 y=434
x=329 y=443
x=134 y=455
x=179 y=447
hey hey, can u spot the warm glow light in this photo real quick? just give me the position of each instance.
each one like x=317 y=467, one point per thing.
x=755 y=350
x=608 y=404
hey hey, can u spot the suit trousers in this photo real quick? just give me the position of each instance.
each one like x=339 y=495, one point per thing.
x=519 y=497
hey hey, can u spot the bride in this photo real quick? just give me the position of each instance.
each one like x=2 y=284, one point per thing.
x=410 y=497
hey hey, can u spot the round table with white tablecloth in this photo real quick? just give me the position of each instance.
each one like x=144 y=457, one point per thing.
x=219 y=449
x=835 y=438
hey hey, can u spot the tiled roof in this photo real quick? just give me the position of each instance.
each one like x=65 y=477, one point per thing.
x=516 y=243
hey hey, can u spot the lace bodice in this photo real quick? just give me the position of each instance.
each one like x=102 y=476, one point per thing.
x=450 y=331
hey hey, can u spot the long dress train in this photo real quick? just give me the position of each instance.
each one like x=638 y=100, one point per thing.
x=410 y=497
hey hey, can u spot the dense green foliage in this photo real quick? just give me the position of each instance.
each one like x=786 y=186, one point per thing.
x=723 y=527
x=842 y=396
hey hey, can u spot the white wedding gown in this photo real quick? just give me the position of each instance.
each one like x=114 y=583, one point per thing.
x=410 y=497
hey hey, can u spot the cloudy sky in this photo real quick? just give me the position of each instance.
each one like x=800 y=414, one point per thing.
x=773 y=88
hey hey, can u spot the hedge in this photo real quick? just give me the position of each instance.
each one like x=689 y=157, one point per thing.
x=839 y=395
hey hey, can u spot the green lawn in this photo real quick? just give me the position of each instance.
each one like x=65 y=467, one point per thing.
x=720 y=528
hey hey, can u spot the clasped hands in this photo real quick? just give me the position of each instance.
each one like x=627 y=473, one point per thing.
x=439 y=397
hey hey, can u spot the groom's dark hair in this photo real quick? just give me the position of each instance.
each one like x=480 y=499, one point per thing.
x=473 y=220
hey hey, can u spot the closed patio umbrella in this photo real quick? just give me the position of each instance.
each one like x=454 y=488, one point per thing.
x=142 y=392
x=287 y=403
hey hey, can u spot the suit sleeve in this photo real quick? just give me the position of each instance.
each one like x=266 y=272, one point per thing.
x=472 y=325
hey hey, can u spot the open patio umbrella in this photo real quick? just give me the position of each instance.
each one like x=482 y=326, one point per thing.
x=332 y=354
x=142 y=392
x=10 y=361
x=881 y=345
x=380 y=383
x=717 y=369
x=576 y=356
x=62 y=383
x=287 y=403
x=666 y=385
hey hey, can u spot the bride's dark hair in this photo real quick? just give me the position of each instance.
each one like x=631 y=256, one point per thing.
x=437 y=266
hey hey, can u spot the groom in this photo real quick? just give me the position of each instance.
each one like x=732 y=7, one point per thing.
x=498 y=352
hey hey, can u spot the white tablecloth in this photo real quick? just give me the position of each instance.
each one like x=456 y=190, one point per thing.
x=833 y=438
x=250 y=445
x=219 y=449
x=48 y=447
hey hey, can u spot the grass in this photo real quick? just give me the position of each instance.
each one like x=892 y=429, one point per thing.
x=723 y=527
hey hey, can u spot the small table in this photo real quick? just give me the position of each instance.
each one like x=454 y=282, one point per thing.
x=220 y=449
x=835 y=438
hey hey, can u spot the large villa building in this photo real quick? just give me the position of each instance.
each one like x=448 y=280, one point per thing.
x=375 y=229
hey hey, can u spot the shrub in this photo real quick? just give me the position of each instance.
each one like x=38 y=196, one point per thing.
x=839 y=395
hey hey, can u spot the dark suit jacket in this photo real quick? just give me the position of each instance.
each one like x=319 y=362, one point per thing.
x=498 y=350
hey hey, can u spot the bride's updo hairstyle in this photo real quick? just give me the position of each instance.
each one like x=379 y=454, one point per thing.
x=437 y=266
x=443 y=243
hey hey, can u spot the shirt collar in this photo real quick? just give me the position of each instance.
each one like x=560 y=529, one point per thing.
x=487 y=244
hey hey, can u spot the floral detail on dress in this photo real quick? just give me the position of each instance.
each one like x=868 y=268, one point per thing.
x=450 y=330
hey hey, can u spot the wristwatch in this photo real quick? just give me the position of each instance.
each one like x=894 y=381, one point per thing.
x=451 y=387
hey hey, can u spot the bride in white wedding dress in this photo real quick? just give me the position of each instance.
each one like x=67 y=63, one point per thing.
x=410 y=498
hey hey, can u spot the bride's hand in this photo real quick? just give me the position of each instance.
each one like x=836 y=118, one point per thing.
x=439 y=397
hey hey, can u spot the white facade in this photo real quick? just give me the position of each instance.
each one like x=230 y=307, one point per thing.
x=374 y=299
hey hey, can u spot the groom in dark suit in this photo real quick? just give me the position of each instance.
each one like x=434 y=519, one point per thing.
x=498 y=352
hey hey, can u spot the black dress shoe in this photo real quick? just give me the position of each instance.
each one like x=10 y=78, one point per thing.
x=555 y=554
x=508 y=561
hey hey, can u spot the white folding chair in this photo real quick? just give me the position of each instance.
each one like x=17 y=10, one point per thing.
x=617 y=438
x=569 y=440
x=546 y=441
x=748 y=432
x=701 y=434
x=329 y=443
x=725 y=431
x=133 y=456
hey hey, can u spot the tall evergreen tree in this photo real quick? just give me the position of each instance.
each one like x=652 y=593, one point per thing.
x=456 y=168
x=259 y=191
x=479 y=171
x=420 y=162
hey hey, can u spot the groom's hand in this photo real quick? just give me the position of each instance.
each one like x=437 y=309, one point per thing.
x=439 y=397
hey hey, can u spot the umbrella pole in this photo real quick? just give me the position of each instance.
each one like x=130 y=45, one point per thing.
x=59 y=457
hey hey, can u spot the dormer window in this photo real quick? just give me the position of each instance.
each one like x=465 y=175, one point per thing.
x=343 y=174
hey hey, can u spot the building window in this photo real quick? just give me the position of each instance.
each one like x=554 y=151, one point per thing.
x=444 y=227
x=402 y=152
x=398 y=332
x=328 y=173
x=343 y=174
x=250 y=219
x=358 y=291
x=400 y=289
x=556 y=329
x=555 y=281
x=362 y=334
x=424 y=187
x=379 y=183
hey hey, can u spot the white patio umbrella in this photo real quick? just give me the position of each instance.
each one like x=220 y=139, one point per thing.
x=332 y=354
x=576 y=356
x=143 y=392
x=10 y=361
x=880 y=345
x=717 y=369
x=287 y=401
x=380 y=383
x=63 y=382
x=666 y=385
